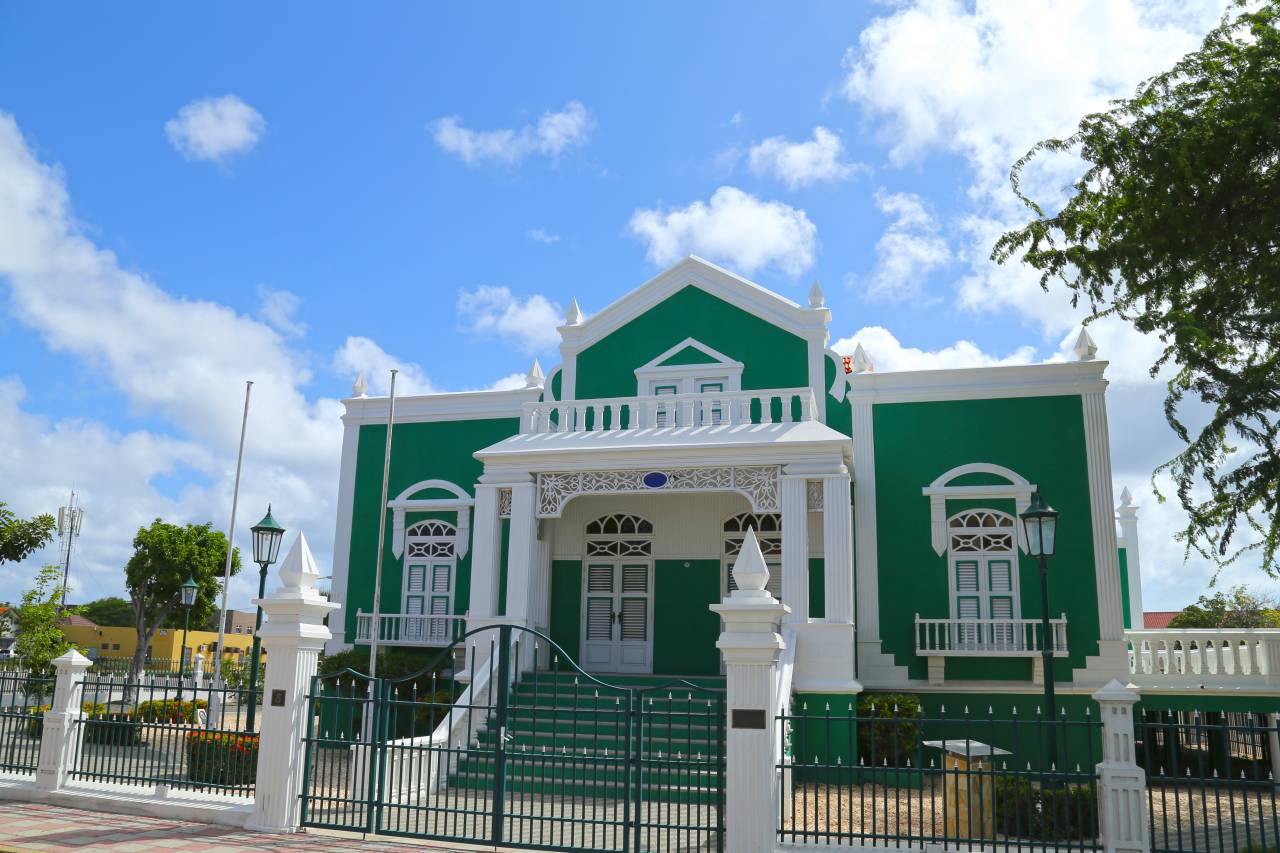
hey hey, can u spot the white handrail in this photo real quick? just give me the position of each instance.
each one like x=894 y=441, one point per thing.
x=719 y=408
x=988 y=637
x=410 y=629
x=1228 y=657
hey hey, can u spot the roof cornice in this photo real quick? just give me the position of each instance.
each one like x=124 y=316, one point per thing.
x=972 y=383
x=461 y=405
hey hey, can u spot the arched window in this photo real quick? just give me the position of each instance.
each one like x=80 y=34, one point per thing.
x=620 y=535
x=982 y=547
x=768 y=528
x=430 y=563
x=430 y=538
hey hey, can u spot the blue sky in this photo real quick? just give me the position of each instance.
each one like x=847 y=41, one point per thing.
x=292 y=193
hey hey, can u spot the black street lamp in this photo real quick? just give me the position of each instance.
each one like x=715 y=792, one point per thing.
x=188 y=592
x=267 y=535
x=1040 y=524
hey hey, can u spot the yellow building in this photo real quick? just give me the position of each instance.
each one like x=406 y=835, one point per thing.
x=102 y=641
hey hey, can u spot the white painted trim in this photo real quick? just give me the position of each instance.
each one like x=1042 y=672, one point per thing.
x=938 y=492
x=342 y=528
x=402 y=504
x=1102 y=512
x=983 y=593
x=427 y=408
x=976 y=383
x=718 y=359
x=616 y=563
x=840 y=385
x=1009 y=474
x=444 y=485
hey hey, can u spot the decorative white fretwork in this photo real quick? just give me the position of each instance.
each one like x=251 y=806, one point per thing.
x=620 y=535
x=1015 y=487
x=768 y=529
x=431 y=538
x=504 y=503
x=758 y=482
x=813 y=495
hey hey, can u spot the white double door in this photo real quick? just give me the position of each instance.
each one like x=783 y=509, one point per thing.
x=617 y=615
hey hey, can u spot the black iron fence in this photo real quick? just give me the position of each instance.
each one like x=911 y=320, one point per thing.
x=1211 y=783
x=22 y=699
x=165 y=734
x=888 y=775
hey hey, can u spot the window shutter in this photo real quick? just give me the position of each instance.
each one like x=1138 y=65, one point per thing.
x=600 y=579
x=599 y=618
x=634 y=619
x=440 y=577
x=417 y=578
x=967 y=578
x=1001 y=578
x=967 y=607
x=635 y=579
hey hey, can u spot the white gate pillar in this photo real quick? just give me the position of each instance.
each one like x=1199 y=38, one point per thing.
x=60 y=735
x=1122 y=783
x=292 y=636
x=751 y=645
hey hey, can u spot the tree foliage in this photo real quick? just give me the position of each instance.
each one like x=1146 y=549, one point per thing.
x=113 y=612
x=38 y=638
x=164 y=556
x=1174 y=227
x=20 y=537
x=1238 y=608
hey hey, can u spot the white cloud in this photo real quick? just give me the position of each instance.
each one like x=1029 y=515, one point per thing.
x=509 y=382
x=215 y=128
x=736 y=119
x=908 y=251
x=278 y=307
x=542 y=235
x=735 y=228
x=889 y=355
x=361 y=355
x=553 y=134
x=799 y=164
x=529 y=322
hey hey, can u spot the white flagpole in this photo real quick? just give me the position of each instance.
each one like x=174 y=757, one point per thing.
x=231 y=541
x=382 y=535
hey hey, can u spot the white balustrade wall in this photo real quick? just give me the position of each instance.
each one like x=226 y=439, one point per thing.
x=1187 y=657
x=730 y=408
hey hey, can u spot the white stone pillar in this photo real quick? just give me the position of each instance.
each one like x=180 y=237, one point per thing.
x=484 y=553
x=292 y=637
x=837 y=542
x=197 y=671
x=1273 y=743
x=60 y=735
x=1128 y=514
x=1122 y=784
x=1112 y=653
x=751 y=646
x=522 y=554
x=795 y=546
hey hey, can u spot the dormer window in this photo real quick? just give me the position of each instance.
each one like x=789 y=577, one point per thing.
x=689 y=367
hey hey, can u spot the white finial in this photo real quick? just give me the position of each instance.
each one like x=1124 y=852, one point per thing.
x=534 y=379
x=861 y=362
x=573 y=316
x=1126 y=497
x=298 y=572
x=816 y=297
x=750 y=572
x=360 y=388
x=1085 y=349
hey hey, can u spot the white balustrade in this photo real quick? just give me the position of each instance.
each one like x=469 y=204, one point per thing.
x=405 y=629
x=988 y=637
x=730 y=408
x=1193 y=657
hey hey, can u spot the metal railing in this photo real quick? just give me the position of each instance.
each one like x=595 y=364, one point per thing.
x=1195 y=657
x=728 y=408
x=166 y=736
x=988 y=637
x=23 y=698
x=889 y=776
x=1211 y=780
x=403 y=629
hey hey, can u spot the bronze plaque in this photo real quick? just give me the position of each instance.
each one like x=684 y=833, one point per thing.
x=748 y=718
x=277 y=698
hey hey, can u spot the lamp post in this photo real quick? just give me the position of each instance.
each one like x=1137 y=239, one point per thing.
x=1040 y=524
x=188 y=592
x=266 y=546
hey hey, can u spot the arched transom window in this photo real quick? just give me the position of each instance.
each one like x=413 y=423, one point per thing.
x=984 y=568
x=620 y=535
x=430 y=538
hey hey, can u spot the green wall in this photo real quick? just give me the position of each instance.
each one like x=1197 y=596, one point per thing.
x=1125 y=600
x=421 y=451
x=566 y=606
x=1041 y=438
x=771 y=357
x=685 y=630
x=817 y=589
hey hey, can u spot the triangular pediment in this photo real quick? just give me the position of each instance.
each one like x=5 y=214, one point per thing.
x=690 y=351
x=688 y=355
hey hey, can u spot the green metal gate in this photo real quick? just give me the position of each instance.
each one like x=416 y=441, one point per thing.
x=522 y=749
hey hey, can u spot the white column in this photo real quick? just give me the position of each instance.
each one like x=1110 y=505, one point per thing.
x=484 y=553
x=1273 y=743
x=522 y=553
x=1128 y=514
x=1122 y=784
x=837 y=542
x=751 y=646
x=1112 y=660
x=795 y=546
x=342 y=526
x=292 y=636
x=865 y=546
x=59 y=732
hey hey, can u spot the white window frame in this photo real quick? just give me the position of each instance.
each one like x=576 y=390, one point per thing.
x=443 y=538
x=983 y=557
x=688 y=377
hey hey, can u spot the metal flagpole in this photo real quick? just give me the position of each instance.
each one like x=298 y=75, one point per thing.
x=382 y=535
x=231 y=541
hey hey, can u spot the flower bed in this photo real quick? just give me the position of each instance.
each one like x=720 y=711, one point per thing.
x=118 y=728
x=222 y=758
x=170 y=710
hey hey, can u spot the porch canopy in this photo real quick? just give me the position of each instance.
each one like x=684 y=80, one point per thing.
x=791 y=468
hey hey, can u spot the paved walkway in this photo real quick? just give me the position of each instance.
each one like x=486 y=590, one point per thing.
x=39 y=828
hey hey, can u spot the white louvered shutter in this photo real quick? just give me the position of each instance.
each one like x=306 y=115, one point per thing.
x=599 y=618
x=413 y=626
x=635 y=579
x=417 y=578
x=635 y=619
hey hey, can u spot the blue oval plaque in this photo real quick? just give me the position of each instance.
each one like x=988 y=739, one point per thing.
x=655 y=479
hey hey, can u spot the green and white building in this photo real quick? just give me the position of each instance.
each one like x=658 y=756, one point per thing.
x=603 y=504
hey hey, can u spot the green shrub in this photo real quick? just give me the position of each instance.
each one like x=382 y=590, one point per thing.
x=1058 y=813
x=170 y=710
x=889 y=729
x=102 y=726
x=222 y=758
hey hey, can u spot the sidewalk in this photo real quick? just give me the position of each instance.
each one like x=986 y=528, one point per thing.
x=32 y=827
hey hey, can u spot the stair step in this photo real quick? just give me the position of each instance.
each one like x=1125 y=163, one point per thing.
x=652 y=746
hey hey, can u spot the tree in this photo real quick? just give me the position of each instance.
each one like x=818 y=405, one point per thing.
x=164 y=556
x=1175 y=227
x=1238 y=608
x=112 y=612
x=19 y=537
x=38 y=638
